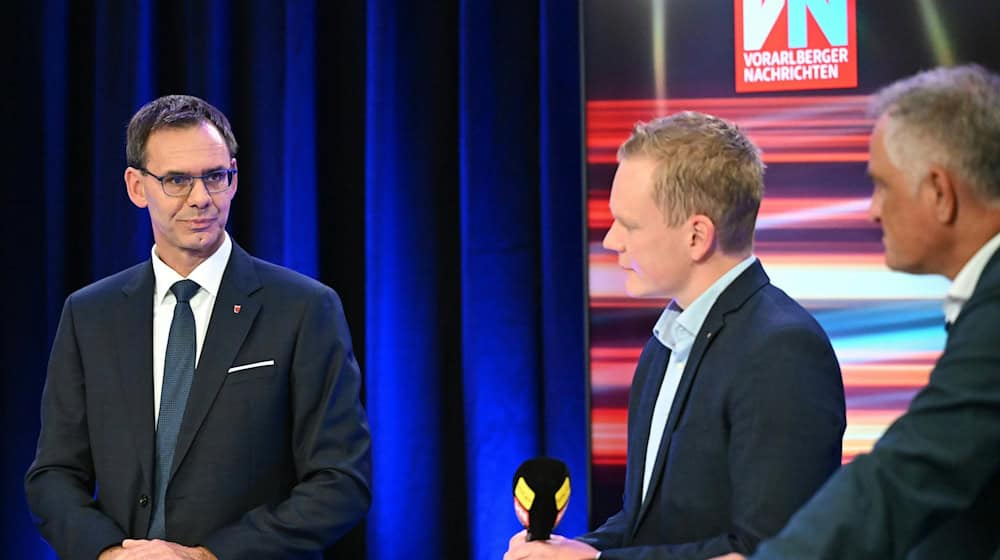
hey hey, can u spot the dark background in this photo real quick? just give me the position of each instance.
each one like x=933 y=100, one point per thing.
x=422 y=159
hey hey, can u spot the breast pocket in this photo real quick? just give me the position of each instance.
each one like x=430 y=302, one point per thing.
x=243 y=373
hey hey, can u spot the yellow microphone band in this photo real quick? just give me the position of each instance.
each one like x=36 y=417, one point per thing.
x=562 y=495
x=524 y=493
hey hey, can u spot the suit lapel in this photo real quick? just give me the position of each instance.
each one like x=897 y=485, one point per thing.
x=656 y=365
x=226 y=331
x=713 y=323
x=134 y=342
x=731 y=299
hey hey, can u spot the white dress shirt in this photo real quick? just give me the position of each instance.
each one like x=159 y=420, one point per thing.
x=965 y=281
x=208 y=275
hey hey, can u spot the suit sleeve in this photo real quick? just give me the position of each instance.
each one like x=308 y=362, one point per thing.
x=331 y=446
x=608 y=535
x=60 y=483
x=786 y=415
x=931 y=464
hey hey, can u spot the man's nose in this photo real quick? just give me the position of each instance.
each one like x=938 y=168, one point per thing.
x=875 y=209
x=199 y=195
x=610 y=241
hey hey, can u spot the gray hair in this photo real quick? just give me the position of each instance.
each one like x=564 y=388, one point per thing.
x=948 y=116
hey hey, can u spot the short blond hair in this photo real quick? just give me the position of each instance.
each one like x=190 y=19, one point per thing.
x=704 y=165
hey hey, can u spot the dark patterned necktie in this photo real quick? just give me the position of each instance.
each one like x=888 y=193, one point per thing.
x=178 y=371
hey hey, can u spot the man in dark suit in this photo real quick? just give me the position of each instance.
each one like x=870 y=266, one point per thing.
x=205 y=403
x=736 y=409
x=930 y=488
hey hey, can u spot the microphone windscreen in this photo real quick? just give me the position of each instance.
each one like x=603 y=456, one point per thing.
x=541 y=492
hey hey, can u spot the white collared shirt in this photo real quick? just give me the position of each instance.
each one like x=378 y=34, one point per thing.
x=676 y=329
x=965 y=281
x=208 y=275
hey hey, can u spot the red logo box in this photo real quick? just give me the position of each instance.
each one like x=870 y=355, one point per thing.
x=795 y=44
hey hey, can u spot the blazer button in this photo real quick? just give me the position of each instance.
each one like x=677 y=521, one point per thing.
x=143 y=500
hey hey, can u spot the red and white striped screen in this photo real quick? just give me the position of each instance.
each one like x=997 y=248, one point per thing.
x=813 y=234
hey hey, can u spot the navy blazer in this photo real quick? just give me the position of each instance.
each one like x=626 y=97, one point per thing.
x=930 y=488
x=754 y=430
x=271 y=462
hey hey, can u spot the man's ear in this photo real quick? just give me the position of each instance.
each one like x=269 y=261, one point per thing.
x=701 y=236
x=133 y=186
x=941 y=193
x=236 y=177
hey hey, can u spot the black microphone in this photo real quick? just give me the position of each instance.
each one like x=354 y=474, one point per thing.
x=541 y=492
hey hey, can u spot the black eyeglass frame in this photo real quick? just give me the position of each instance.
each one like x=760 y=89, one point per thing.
x=190 y=180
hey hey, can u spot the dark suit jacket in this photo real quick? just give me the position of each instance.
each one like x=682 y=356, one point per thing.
x=755 y=428
x=930 y=488
x=271 y=462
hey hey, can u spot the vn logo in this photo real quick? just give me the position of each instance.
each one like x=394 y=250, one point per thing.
x=759 y=19
x=795 y=44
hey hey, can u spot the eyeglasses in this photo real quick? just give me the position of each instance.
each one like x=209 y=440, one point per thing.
x=180 y=185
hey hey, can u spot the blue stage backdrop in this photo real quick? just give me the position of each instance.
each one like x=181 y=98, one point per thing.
x=423 y=160
x=475 y=293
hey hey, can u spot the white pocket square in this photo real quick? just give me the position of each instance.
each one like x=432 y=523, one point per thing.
x=251 y=366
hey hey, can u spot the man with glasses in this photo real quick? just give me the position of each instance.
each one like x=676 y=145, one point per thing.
x=203 y=403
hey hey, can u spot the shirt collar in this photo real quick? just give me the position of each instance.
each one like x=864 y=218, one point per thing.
x=208 y=274
x=677 y=327
x=965 y=281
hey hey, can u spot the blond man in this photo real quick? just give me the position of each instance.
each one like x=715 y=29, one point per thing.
x=736 y=409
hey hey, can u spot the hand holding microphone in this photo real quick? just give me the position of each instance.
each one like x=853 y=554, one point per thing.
x=541 y=492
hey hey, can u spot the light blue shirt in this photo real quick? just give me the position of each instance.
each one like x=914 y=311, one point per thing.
x=676 y=329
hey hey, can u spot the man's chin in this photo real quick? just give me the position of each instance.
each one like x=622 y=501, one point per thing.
x=642 y=291
x=896 y=264
x=199 y=242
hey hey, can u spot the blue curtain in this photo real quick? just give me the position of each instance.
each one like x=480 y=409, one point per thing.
x=475 y=244
x=424 y=160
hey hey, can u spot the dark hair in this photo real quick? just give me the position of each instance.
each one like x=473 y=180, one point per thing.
x=172 y=111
